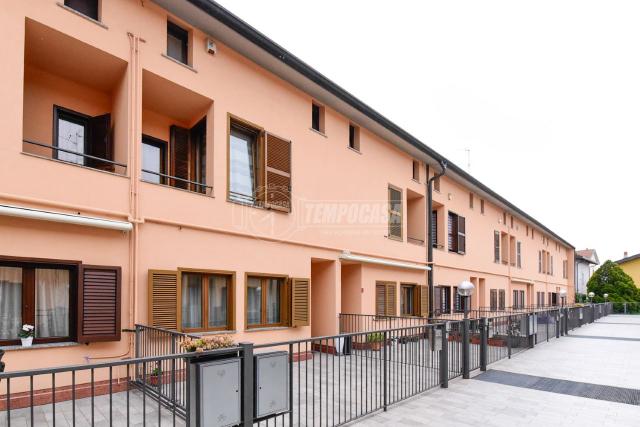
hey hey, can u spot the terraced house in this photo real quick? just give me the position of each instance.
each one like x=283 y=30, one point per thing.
x=164 y=163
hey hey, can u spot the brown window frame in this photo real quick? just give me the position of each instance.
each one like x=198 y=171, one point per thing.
x=470 y=200
x=28 y=266
x=183 y=35
x=415 y=170
x=482 y=206
x=354 y=137
x=317 y=117
x=415 y=309
x=205 y=274
x=285 y=301
x=85 y=7
x=164 y=158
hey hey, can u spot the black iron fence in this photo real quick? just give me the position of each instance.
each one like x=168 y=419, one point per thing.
x=329 y=380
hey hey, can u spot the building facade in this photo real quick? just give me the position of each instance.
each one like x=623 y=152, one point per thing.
x=630 y=264
x=586 y=263
x=163 y=163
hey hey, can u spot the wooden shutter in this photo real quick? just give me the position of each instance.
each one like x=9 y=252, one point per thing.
x=501 y=301
x=496 y=246
x=395 y=212
x=390 y=299
x=434 y=229
x=380 y=298
x=99 y=295
x=198 y=146
x=300 y=302
x=100 y=143
x=179 y=156
x=164 y=299
x=493 y=300
x=277 y=173
x=424 y=301
x=462 y=237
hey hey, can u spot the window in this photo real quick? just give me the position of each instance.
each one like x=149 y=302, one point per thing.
x=64 y=301
x=442 y=299
x=436 y=184
x=540 y=299
x=511 y=221
x=395 y=213
x=564 y=269
x=86 y=7
x=434 y=228
x=177 y=43
x=206 y=300
x=518 y=299
x=501 y=299
x=504 y=218
x=470 y=200
x=259 y=167
x=317 y=117
x=408 y=300
x=551 y=265
x=493 y=299
x=88 y=136
x=457 y=237
x=154 y=155
x=539 y=261
x=527 y=231
x=459 y=302
x=519 y=254
x=512 y=250
x=385 y=299
x=416 y=170
x=532 y=237
x=553 y=299
x=482 y=206
x=496 y=246
x=354 y=137
x=266 y=301
x=243 y=165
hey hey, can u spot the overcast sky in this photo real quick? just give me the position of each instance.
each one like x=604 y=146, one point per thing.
x=545 y=94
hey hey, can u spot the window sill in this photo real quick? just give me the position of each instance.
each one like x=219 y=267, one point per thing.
x=82 y=15
x=207 y=333
x=187 y=66
x=354 y=150
x=39 y=346
x=318 y=132
x=74 y=164
x=268 y=328
x=395 y=239
x=415 y=180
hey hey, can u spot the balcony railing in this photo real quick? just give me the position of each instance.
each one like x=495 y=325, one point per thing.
x=175 y=182
x=101 y=163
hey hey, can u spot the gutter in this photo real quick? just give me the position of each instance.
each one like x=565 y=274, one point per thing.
x=443 y=166
x=262 y=41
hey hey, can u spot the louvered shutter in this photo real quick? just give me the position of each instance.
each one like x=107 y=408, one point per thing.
x=277 y=173
x=180 y=156
x=164 y=299
x=424 y=300
x=99 y=303
x=496 y=246
x=434 y=229
x=380 y=298
x=300 y=304
x=462 y=237
x=395 y=213
x=390 y=299
x=100 y=142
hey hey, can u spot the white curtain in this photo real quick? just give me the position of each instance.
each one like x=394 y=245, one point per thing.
x=217 y=301
x=254 y=301
x=52 y=303
x=273 y=301
x=191 y=301
x=10 y=302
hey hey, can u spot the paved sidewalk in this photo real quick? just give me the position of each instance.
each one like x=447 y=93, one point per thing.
x=590 y=354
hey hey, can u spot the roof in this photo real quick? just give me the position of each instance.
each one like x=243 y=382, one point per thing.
x=184 y=9
x=628 y=259
x=588 y=255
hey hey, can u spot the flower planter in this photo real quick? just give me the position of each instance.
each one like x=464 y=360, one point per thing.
x=375 y=346
x=155 y=380
x=27 y=342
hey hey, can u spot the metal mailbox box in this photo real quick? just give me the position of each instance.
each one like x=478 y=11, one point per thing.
x=271 y=383
x=215 y=393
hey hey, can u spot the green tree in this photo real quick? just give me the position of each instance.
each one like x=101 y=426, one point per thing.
x=611 y=279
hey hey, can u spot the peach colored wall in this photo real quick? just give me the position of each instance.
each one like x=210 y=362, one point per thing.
x=175 y=228
x=351 y=282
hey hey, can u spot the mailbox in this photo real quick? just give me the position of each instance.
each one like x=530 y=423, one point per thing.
x=271 y=383
x=215 y=392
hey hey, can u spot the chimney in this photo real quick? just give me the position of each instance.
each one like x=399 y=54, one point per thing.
x=626 y=254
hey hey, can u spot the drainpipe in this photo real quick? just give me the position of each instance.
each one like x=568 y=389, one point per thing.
x=443 y=166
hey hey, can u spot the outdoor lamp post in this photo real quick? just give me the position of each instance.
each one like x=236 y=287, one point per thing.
x=605 y=297
x=465 y=290
x=591 y=295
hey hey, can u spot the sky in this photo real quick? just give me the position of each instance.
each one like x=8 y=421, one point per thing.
x=545 y=95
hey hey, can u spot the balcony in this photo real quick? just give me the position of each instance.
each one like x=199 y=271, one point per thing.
x=75 y=105
x=175 y=141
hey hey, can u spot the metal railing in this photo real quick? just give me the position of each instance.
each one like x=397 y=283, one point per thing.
x=100 y=163
x=331 y=380
x=181 y=183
